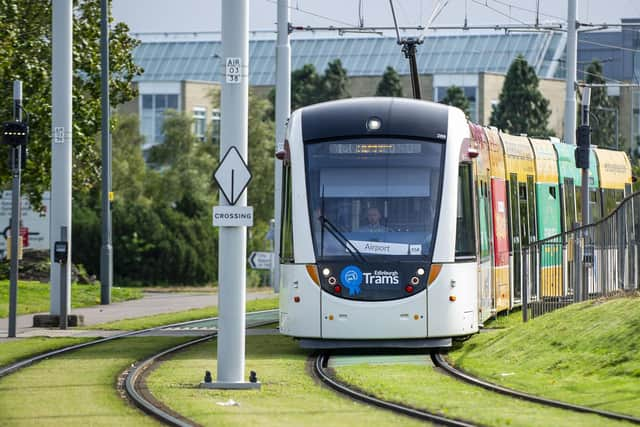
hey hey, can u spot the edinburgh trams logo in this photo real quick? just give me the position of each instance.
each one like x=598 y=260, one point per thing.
x=351 y=277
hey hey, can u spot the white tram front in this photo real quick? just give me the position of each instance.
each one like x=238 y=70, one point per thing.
x=378 y=242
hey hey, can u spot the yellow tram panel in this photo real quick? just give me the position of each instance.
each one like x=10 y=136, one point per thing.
x=614 y=169
x=546 y=163
x=518 y=156
x=496 y=153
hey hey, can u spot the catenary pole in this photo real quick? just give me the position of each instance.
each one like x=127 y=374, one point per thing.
x=61 y=144
x=16 y=213
x=106 y=250
x=283 y=110
x=232 y=265
x=572 y=63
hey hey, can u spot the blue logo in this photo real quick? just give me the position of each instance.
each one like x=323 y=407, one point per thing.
x=351 y=277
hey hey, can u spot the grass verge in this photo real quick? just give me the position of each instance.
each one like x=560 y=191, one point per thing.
x=585 y=354
x=426 y=387
x=15 y=350
x=33 y=297
x=182 y=316
x=78 y=389
x=289 y=396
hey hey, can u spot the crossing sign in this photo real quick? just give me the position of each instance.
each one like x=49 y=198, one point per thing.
x=233 y=175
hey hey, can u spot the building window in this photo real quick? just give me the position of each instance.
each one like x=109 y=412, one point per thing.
x=215 y=125
x=199 y=122
x=152 y=118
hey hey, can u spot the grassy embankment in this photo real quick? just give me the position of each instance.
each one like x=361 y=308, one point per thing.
x=33 y=297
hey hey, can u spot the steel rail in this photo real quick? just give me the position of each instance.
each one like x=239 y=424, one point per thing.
x=6 y=370
x=319 y=370
x=439 y=361
x=134 y=375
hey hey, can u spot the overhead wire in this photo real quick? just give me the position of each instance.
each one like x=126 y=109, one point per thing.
x=485 y=4
x=317 y=15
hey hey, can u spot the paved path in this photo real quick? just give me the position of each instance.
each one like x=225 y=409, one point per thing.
x=152 y=303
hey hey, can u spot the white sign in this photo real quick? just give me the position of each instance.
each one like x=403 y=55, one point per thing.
x=35 y=223
x=232 y=175
x=382 y=248
x=58 y=135
x=261 y=260
x=233 y=70
x=232 y=216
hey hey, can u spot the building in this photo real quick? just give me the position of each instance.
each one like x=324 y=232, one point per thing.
x=182 y=74
x=619 y=53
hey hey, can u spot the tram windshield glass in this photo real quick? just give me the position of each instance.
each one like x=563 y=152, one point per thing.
x=373 y=196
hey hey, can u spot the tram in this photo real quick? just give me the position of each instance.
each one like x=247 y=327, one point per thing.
x=402 y=222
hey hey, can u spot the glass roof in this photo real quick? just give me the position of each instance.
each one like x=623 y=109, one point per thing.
x=452 y=54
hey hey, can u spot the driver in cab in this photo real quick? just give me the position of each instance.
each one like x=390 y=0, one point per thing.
x=374 y=218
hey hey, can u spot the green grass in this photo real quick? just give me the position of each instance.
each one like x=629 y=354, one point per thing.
x=425 y=387
x=79 y=388
x=586 y=354
x=15 y=350
x=289 y=396
x=33 y=297
x=182 y=316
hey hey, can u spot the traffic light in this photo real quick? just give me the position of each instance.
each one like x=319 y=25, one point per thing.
x=583 y=139
x=15 y=133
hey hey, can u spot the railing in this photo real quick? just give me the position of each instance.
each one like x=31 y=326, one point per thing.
x=594 y=261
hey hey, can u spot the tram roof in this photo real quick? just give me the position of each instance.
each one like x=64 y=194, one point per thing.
x=177 y=60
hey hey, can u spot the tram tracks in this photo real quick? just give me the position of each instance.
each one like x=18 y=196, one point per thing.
x=440 y=362
x=134 y=376
x=320 y=370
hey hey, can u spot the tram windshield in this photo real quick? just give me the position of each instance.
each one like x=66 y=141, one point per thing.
x=373 y=197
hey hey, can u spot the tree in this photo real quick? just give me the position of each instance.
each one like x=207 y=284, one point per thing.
x=390 y=84
x=455 y=96
x=129 y=169
x=307 y=87
x=305 y=84
x=603 y=125
x=522 y=108
x=334 y=82
x=25 y=43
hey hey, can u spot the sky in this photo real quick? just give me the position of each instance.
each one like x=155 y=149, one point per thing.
x=169 y=16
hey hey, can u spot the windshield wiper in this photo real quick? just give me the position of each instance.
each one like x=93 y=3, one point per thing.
x=346 y=243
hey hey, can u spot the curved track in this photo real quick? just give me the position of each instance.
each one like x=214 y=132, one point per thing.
x=135 y=374
x=439 y=361
x=319 y=366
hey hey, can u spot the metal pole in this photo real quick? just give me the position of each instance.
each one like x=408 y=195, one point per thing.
x=572 y=61
x=233 y=240
x=586 y=99
x=283 y=110
x=64 y=313
x=587 y=249
x=61 y=144
x=16 y=214
x=106 y=251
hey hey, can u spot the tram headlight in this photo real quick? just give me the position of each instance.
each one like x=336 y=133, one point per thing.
x=420 y=271
x=374 y=123
x=332 y=280
x=326 y=272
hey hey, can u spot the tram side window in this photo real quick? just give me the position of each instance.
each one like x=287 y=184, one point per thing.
x=465 y=230
x=286 y=237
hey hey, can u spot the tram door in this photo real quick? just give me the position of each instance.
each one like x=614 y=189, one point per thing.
x=516 y=230
x=569 y=219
